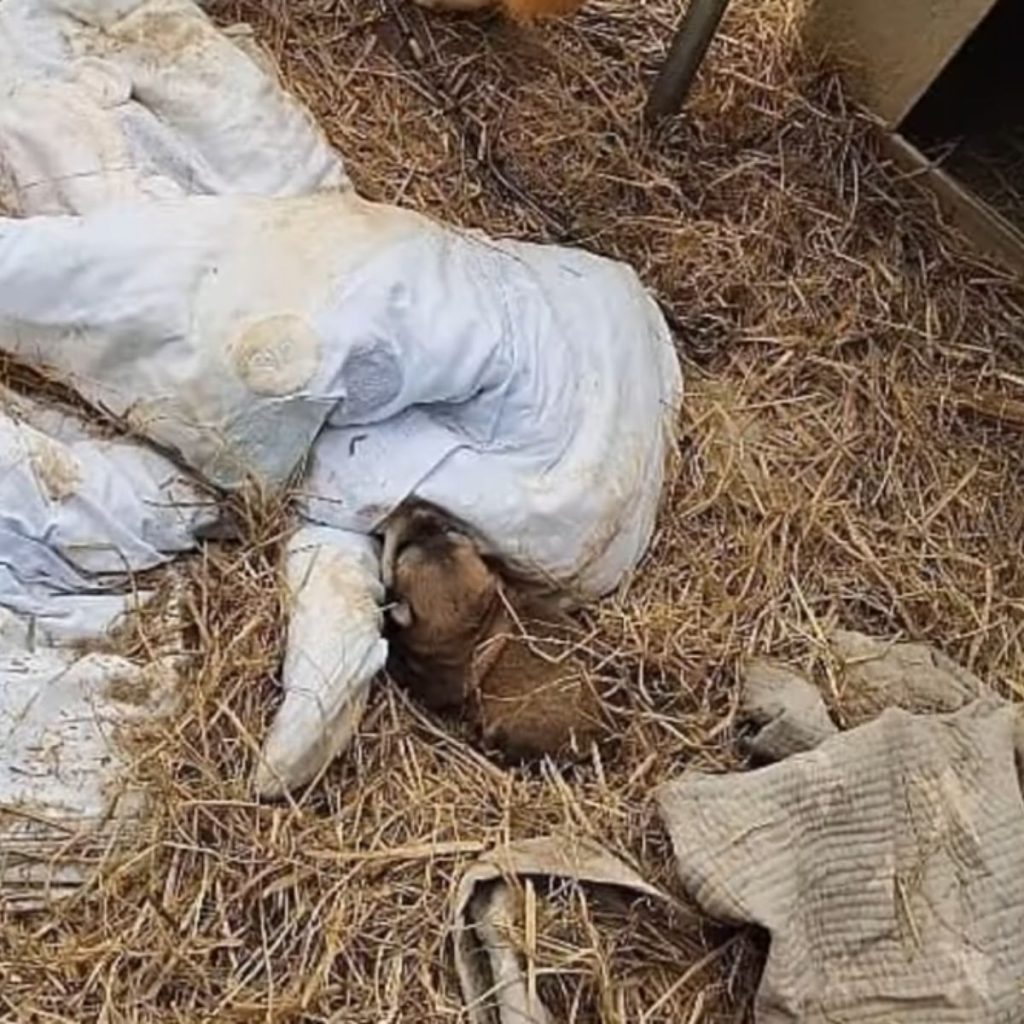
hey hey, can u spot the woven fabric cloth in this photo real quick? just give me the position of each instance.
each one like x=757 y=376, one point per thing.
x=887 y=865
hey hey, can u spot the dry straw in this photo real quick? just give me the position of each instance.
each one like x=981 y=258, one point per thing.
x=845 y=460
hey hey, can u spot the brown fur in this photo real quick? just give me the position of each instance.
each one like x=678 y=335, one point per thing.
x=533 y=10
x=505 y=658
x=534 y=695
x=450 y=598
x=517 y=10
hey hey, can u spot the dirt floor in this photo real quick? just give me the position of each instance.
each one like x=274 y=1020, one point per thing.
x=849 y=456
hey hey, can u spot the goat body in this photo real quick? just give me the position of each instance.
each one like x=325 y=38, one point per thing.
x=461 y=640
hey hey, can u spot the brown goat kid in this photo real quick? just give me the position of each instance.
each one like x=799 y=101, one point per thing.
x=461 y=639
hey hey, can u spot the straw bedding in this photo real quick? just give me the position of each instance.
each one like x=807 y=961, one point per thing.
x=846 y=458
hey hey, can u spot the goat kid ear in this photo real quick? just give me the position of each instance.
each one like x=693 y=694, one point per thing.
x=389 y=552
x=398 y=529
x=401 y=614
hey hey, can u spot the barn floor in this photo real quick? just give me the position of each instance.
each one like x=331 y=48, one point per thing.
x=850 y=456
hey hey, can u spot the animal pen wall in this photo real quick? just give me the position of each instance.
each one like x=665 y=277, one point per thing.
x=946 y=79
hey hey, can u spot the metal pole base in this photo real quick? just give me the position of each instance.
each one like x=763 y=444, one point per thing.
x=672 y=86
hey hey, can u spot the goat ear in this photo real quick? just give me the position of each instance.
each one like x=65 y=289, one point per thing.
x=401 y=614
x=389 y=552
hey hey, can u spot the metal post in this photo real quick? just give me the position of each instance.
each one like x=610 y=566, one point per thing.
x=691 y=43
